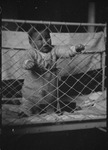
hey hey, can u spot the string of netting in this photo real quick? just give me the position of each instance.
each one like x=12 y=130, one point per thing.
x=63 y=43
x=11 y=66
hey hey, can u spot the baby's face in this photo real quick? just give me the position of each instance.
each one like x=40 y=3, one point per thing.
x=42 y=41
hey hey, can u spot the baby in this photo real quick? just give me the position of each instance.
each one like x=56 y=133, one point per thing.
x=39 y=88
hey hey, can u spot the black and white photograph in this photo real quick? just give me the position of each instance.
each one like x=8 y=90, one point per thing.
x=53 y=75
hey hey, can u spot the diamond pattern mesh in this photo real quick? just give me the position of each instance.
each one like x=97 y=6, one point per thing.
x=74 y=77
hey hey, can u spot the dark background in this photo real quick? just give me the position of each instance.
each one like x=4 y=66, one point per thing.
x=92 y=139
x=55 y=10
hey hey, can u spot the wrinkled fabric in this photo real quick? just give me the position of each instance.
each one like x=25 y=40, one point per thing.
x=93 y=42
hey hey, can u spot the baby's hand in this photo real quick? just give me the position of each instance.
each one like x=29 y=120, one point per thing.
x=79 y=48
x=29 y=64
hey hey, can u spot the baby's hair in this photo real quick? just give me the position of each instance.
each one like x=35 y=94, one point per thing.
x=37 y=28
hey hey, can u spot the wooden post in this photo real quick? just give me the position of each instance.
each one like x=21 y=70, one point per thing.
x=91 y=16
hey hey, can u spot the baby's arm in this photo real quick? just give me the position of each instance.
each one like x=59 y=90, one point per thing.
x=34 y=61
x=28 y=61
x=68 y=50
x=28 y=64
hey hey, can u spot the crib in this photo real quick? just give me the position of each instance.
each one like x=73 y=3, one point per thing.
x=81 y=81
